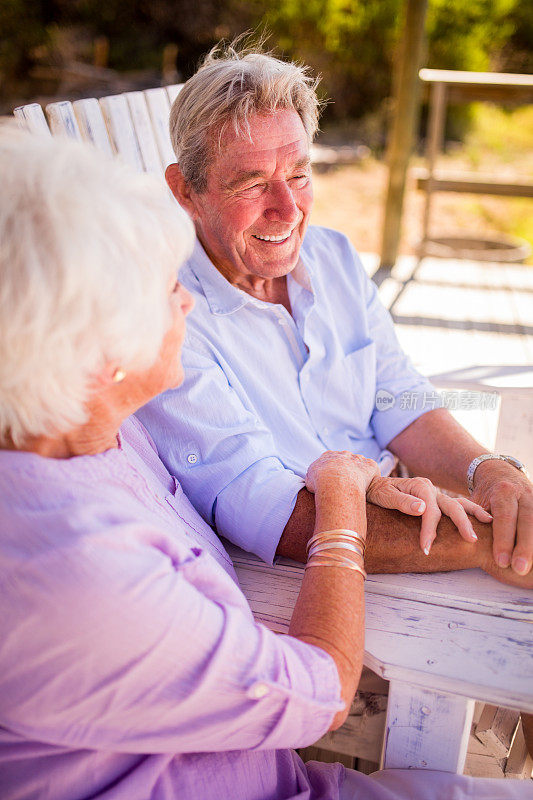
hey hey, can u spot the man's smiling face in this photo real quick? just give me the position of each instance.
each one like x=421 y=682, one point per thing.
x=253 y=215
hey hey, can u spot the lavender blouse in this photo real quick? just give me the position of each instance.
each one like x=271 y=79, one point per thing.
x=130 y=663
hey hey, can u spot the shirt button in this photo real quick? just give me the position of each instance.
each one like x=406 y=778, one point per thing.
x=192 y=458
x=257 y=691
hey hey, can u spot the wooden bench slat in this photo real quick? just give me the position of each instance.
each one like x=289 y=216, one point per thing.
x=173 y=91
x=62 y=120
x=454 y=76
x=92 y=124
x=441 y=182
x=144 y=131
x=159 y=108
x=121 y=131
x=32 y=117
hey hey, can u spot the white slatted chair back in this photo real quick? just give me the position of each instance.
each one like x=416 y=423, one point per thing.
x=32 y=117
x=132 y=125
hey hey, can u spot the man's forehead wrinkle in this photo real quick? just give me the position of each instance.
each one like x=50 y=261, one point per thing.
x=261 y=159
x=243 y=174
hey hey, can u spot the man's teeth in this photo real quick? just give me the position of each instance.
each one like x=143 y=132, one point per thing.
x=272 y=238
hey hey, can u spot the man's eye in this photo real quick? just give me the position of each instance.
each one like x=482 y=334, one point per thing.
x=299 y=181
x=253 y=191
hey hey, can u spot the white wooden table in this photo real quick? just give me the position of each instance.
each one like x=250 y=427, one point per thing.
x=442 y=640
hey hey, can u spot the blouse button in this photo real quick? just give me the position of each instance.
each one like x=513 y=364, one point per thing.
x=192 y=458
x=257 y=691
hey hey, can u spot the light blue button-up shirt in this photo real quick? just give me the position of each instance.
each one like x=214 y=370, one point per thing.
x=265 y=393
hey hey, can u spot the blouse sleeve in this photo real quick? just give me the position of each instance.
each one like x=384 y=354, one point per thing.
x=123 y=645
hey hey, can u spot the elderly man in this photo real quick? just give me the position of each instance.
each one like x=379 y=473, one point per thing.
x=289 y=351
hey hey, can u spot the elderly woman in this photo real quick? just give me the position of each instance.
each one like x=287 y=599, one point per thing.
x=130 y=664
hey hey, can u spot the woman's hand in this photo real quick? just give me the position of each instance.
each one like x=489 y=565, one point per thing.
x=418 y=497
x=343 y=468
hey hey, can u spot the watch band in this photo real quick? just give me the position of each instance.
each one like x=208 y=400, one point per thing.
x=474 y=464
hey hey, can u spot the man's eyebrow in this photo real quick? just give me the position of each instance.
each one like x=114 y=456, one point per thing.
x=303 y=162
x=244 y=177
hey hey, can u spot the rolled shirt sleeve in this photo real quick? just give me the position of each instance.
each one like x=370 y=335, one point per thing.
x=135 y=643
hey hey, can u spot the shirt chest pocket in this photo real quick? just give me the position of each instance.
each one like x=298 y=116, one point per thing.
x=349 y=388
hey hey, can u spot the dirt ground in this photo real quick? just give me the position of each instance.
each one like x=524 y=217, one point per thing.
x=351 y=199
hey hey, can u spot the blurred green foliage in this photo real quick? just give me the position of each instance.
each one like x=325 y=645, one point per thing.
x=352 y=43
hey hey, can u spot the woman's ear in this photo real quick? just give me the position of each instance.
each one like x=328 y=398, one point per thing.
x=108 y=375
x=180 y=189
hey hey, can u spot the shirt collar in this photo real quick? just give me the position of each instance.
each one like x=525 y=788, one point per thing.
x=223 y=298
x=221 y=295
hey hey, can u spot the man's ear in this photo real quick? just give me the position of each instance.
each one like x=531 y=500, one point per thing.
x=180 y=189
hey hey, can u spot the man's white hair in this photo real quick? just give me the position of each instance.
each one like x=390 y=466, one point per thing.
x=229 y=87
x=87 y=251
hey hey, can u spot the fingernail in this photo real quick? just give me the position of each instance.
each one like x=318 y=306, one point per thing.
x=427 y=548
x=503 y=560
x=521 y=565
x=418 y=505
x=473 y=535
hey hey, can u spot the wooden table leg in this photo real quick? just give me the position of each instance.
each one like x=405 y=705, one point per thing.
x=426 y=729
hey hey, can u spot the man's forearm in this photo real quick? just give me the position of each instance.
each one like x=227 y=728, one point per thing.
x=436 y=446
x=393 y=540
x=393 y=543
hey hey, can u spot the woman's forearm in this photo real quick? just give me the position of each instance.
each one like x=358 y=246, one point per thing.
x=329 y=612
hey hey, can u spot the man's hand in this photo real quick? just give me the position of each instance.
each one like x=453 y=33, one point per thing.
x=399 y=492
x=508 y=495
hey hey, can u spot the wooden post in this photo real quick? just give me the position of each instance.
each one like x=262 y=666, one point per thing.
x=435 y=137
x=426 y=729
x=406 y=104
x=168 y=67
x=101 y=51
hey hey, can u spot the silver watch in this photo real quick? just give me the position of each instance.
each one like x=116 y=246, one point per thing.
x=485 y=457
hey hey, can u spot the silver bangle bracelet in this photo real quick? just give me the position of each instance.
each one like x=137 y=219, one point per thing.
x=334 y=545
x=345 y=563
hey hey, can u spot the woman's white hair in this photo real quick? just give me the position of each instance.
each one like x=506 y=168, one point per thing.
x=87 y=251
x=230 y=86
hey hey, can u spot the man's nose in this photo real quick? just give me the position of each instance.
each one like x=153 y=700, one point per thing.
x=281 y=204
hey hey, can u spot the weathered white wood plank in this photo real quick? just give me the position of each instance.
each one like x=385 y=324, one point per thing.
x=159 y=108
x=122 y=134
x=173 y=91
x=62 y=120
x=475 y=655
x=470 y=590
x=32 y=117
x=426 y=729
x=92 y=124
x=515 y=427
x=145 y=134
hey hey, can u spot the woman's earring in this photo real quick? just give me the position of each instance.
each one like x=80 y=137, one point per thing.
x=118 y=375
